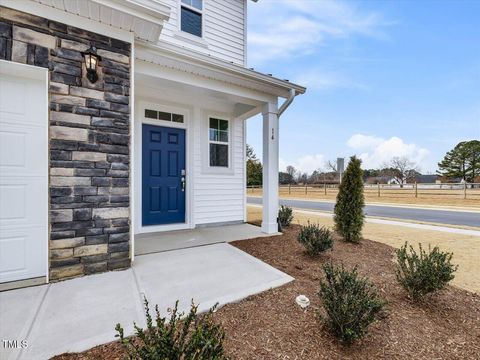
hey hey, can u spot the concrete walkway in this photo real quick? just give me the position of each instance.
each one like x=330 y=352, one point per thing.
x=75 y=315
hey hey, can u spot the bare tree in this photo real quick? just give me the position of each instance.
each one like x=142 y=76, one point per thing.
x=302 y=178
x=402 y=169
x=292 y=172
x=316 y=177
x=331 y=165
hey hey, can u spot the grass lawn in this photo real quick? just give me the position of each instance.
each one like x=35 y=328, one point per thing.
x=271 y=326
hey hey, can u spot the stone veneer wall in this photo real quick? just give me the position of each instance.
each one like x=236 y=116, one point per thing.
x=89 y=141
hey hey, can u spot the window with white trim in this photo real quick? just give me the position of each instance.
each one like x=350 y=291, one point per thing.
x=218 y=142
x=165 y=116
x=191 y=17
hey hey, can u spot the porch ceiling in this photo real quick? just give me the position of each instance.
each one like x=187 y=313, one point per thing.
x=176 y=89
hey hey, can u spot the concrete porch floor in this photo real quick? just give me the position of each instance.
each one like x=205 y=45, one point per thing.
x=75 y=315
x=180 y=239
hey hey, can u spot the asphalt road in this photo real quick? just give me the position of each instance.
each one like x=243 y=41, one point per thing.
x=436 y=216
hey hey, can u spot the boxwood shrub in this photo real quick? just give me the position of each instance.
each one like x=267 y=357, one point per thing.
x=190 y=337
x=423 y=272
x=350 y=302
x=285 y=215
x=315 y=239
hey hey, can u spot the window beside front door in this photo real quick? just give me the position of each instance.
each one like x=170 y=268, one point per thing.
x=191 y=17
x=218 y=142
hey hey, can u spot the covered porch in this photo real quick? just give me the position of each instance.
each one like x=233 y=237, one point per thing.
x=198 y=90
x=149 y=243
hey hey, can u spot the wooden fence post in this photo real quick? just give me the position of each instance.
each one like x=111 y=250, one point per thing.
x=289 y=189
x=416 y=190
x=325 y=187
x=305 y=188
x=378 y=189
x=465 y=190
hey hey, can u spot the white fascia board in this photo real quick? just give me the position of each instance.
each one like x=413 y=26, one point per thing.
x=51 y=13
x=232 y=73
x=148 y=10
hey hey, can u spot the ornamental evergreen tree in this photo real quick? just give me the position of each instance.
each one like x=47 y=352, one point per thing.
x=349 y=216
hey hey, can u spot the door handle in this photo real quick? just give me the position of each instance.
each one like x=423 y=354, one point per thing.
x=183 y=183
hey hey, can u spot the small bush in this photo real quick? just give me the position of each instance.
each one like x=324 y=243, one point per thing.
x=425 y=272
x=285 y=215
x=195 y=337
x=315 y=239
x=350 y=302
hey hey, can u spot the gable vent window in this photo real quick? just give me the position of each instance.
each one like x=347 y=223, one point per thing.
x=218 y=142
x=191 y=17
x=165 y=116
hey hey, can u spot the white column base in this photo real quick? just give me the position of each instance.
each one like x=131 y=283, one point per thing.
x=269 y=228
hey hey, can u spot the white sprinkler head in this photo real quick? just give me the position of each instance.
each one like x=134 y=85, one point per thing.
x=302 y=301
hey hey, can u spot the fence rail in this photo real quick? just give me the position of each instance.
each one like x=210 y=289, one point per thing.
x=459 y=190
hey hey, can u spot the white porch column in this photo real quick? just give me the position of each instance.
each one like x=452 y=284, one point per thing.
x=270 y=168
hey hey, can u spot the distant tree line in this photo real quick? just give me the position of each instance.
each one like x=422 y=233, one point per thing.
x=460 y=163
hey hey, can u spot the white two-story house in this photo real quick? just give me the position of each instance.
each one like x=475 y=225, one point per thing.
x=125 y=117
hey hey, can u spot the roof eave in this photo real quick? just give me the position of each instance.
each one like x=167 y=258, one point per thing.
x=283 y=87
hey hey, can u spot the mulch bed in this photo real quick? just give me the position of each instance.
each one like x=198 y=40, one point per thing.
x=272 y=326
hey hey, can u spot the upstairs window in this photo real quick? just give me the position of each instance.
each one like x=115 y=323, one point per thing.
x=191 y=17
x=218 y=142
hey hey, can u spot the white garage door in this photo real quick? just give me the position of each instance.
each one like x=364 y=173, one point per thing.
x=23 y=172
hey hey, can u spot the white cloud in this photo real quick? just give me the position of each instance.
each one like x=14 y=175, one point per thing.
x=307 y=163
x=360 y=141
x=376 y=151
x=288 y=28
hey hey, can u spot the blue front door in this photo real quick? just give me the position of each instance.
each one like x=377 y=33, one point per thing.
x=163 y=175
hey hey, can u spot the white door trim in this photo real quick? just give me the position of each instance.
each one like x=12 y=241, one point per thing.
x=137 y=165
x=37 y=73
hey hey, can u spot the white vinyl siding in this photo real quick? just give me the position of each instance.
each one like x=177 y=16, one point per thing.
x=219 y=197
x=223 y=33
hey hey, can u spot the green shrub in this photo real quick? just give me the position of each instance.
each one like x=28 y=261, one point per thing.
x=194 y=337
x=315 y=239
x=348 y=212
x=350 y=302
x=285 y=215
x=424 y=272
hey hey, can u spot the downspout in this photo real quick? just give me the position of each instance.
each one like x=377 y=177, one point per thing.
x=287 y=102
x=282 y=108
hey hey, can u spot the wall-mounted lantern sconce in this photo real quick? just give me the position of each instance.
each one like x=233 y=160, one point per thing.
x=91 y=63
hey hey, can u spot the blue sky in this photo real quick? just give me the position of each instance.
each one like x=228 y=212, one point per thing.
x=384 y=78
